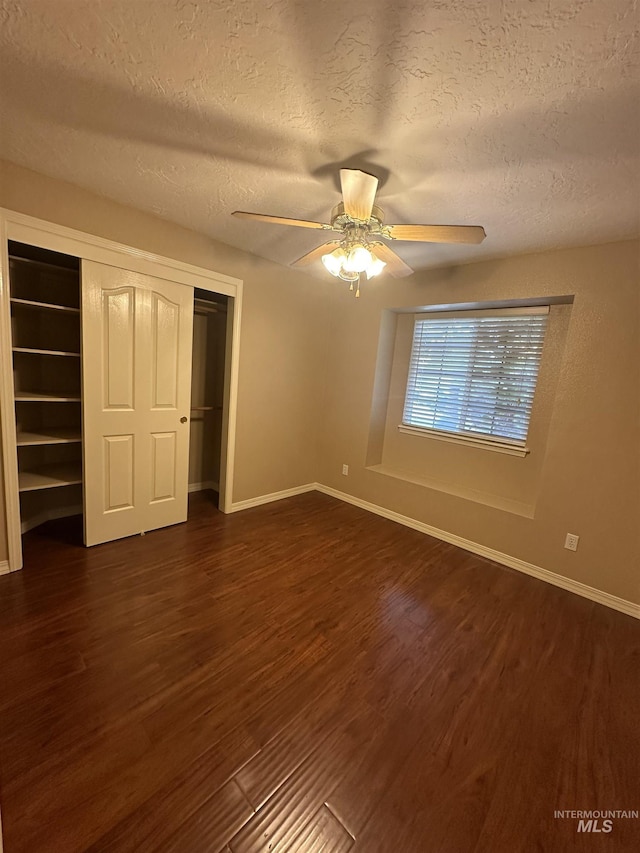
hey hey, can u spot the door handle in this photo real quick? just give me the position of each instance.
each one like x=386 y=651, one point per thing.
x=183 y=419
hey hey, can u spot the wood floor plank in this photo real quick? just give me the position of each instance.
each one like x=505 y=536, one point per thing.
x=281 y=756
x=74 y=799
x=217 y=820
x=280 y=820
x=323 y=834
x=301 y=675
x=341 y=684
x=420 y=701
x=170 y=809
x=37 y=669
x=276 y=762
x=72 y=711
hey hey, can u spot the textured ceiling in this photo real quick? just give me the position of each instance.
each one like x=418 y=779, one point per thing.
x=521 y=115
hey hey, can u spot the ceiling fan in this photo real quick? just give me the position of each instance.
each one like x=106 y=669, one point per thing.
x=363 y=243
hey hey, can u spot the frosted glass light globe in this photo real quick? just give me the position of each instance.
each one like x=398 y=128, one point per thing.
x=375 y=267
x=358 y=259
x=333 y=261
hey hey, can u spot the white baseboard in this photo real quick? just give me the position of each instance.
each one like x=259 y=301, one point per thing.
x=4 y=567
x=236 y=506
x=201 y=487
x=576 y=587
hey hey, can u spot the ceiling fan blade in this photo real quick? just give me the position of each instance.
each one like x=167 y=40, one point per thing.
x=314 y=254
x=358 y=193
x=438 y=233
x=395 y=265
x=281 y=220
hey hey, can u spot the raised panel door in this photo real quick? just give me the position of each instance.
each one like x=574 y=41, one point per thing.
x=136 y=392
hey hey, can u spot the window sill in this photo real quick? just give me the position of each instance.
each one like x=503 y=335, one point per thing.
x=486 y=499
x=470 y=441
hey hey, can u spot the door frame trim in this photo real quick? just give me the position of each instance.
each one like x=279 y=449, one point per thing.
x=58 y=238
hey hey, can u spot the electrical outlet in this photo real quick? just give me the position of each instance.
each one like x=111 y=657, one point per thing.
x=571 y=542
x=345 y=470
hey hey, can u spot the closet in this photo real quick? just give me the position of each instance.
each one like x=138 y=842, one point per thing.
x=207 y=390
x=46 y=335
x=118 y=383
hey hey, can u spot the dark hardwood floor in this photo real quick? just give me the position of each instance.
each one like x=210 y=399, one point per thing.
x=305 y=676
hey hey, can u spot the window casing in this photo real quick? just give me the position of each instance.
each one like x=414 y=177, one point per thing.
x=473 y=374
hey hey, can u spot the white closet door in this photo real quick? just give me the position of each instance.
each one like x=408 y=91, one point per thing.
x=136 y=347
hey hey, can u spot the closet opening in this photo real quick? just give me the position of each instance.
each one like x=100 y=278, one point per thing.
x=103 y=434
x=208 y=370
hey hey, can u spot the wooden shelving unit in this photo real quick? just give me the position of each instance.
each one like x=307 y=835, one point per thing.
x=45 y=326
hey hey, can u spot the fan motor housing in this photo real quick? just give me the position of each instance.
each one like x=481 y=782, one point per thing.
x=340 y=220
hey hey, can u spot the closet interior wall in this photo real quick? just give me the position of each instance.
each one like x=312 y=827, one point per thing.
x=207 y=390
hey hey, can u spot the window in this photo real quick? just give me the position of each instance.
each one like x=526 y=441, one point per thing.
x=474 y=373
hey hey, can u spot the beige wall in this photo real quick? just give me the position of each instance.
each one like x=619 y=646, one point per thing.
x=583 y=475
x=281 y=337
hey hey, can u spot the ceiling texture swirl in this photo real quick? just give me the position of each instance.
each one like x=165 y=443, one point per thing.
x=522 y=116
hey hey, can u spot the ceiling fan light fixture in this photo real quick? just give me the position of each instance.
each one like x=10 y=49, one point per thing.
x=358 y=259
x=348 y=262
x=333 y=261
x=375 y=267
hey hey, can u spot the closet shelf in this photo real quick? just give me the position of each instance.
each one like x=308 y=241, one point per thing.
x=31 y=262
x=46 y=351
x=38 y=396
x=203 y=408
x=50 y=477
x=29 y=303
x=58 y=435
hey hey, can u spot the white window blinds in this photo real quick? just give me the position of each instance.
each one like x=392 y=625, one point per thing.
x=475 y=372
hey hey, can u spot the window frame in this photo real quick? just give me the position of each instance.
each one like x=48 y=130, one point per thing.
x=485 y=441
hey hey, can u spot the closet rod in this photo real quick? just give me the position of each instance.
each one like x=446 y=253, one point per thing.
x=203 y=307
